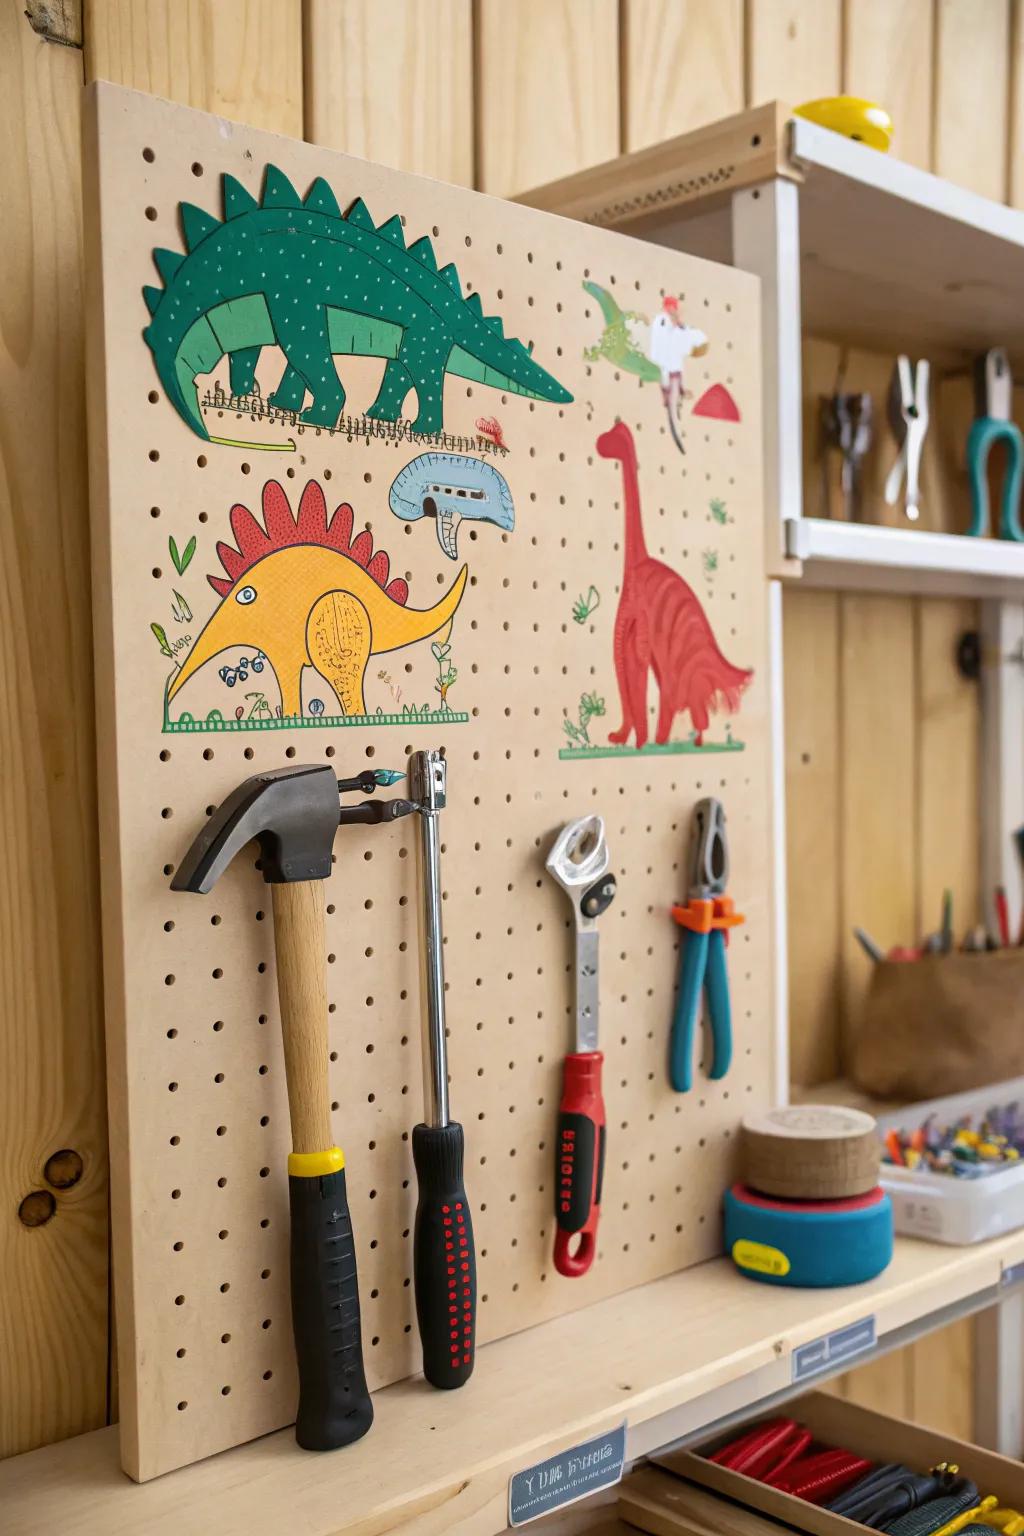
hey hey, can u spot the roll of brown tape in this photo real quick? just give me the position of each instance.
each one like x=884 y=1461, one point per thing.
x=810 y=1152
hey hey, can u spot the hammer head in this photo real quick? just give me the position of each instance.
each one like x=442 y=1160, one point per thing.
x=291 y=812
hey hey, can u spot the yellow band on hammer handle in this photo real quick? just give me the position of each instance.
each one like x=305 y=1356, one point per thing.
x=313 y=1165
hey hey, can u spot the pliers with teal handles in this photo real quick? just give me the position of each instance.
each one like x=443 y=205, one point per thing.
x=706 y=917
x=993 y=423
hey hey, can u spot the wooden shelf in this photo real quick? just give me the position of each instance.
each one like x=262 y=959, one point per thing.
x=639 y=192
x=671 y=1357
x=840 y=1090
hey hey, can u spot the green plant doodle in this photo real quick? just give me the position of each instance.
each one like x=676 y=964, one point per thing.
x=709 y=560
x=161 y=640
x=583 y=607
x=181 y=610
x=299 y=274
x=446 y=673
x=259 y=709
x=718 y=511
x=591 y=706
x=182 y=560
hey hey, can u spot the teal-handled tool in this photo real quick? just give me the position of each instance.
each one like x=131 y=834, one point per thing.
x=706 y=916
x=993 y=423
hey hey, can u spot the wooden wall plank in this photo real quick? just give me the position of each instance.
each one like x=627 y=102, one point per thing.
x=547 y=90
x=682 y=66
x=948 y=765
x=811 y=651
x=53 y=1277
x=883 y=1384
x=971 y=104
x=1015 y=168
x=887 y=57
x=941 y=1380
x=793 y=50
x=392 y=80
x=878 y=783
x=242 y=60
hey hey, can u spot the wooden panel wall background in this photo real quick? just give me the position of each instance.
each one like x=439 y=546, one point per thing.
x=881 y=731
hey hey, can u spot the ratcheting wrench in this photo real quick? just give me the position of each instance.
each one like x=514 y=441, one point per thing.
x=578 y=861
x=444 y=1261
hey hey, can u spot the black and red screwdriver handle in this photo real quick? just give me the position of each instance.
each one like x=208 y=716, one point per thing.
x=444 y=1261
x=579 y=1164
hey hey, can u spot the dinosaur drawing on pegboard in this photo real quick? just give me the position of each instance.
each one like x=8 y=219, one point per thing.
x=302 y=592
x=660 y=627
x=299 y=275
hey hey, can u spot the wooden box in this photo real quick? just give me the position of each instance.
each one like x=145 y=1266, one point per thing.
x=874 y=1435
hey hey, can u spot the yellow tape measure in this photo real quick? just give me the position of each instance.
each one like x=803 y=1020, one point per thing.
x=853 y=117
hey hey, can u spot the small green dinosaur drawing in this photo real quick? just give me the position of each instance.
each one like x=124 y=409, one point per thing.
x=298 y=274
x=616 y=344
x=591 y=706
x=718 y=511
x=583 y=607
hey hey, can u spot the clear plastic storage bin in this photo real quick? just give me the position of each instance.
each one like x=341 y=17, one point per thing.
x=941 y=1207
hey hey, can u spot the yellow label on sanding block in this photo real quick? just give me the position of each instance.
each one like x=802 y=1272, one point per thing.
x=760 y=1256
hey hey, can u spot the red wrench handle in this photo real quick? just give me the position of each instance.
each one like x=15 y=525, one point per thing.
x=579 y=1162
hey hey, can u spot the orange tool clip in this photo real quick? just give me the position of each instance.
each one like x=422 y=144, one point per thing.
x=700 y=915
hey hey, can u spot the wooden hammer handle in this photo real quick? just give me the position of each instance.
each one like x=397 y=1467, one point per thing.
x=301 y=946
x=334 y=1405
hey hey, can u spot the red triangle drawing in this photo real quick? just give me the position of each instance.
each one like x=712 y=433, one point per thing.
x=717 y=402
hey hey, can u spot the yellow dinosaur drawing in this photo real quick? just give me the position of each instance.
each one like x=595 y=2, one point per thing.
x=306 y=593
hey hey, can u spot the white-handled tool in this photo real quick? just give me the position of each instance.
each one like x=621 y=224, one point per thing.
x=908 y=417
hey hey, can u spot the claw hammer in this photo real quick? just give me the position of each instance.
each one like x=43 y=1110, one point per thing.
x=293 y=813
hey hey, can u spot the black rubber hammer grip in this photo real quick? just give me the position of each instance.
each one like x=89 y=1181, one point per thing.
x=334 y=1405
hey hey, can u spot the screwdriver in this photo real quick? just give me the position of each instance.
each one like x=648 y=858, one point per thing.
x=444 y=1263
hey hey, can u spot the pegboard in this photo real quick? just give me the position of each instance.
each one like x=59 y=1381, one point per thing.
x=514 y=688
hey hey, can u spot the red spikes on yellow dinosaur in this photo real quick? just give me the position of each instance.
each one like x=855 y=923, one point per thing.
x=306 y=593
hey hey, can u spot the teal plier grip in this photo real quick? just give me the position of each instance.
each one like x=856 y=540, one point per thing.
x=985 y=432
x=702 y=970
x=993 y=423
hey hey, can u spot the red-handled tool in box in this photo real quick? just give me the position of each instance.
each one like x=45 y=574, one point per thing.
x=578 y=861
